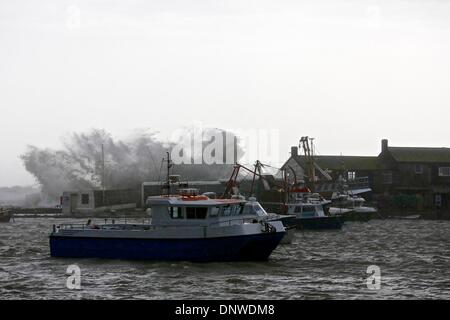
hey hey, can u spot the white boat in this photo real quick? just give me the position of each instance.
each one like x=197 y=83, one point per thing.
x=339 y=211
x=311 y=211
x=352 y=207
x=184 y=227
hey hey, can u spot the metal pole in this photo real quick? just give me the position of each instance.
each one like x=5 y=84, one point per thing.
x=253 y=180
x=313 y=169
x=286 y=187
x=169 y=165
x=103 y=174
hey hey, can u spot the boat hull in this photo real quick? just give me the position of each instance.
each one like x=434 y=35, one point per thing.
x=5 y=218
x=311 y=223
x=319 y=223
x=288 y=221
x=358 y=216
x=232 y=248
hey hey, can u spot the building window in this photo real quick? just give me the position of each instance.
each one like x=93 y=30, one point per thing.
x=444 y=171
x=351 y=175
x=387 y=177
x=84 y=198
x=438 y=200
x=419 y=169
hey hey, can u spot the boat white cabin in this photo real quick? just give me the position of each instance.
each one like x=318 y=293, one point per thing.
x=311 y=211
x=352 y=203
x=307 y=205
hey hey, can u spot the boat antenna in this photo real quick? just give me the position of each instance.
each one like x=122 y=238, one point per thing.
x=103 y=175
x=169 y=165
x=313 y=169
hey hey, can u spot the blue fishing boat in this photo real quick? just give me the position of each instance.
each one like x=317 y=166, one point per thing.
x=184 y=227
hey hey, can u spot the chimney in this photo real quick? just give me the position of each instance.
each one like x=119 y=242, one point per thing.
x=384 y=145
x=294 y=151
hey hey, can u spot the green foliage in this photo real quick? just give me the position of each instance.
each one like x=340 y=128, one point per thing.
x=406 y=200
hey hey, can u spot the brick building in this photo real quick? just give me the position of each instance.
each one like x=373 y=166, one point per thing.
x=422 y=174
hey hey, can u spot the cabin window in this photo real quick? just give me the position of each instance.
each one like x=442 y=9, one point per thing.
x=196 y=212
x=214 y=212
x=419 y=169
x=225 y=211
x=298 y=209
x=444 y=171
x=308 y=214
x=253 y=209
x=351 y=175
x=248 y=209
x=259 y=210
x=308 y=209
x=84 y=198
x=232 y=210
x=175 y=213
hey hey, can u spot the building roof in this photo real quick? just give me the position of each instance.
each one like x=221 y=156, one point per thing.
x=421 y=155
x=191 y=183
x=343 y=162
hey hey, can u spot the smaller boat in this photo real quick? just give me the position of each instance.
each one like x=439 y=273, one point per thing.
x=352 y=208
x=5 y=215
x=311 y=211
x=254 y=210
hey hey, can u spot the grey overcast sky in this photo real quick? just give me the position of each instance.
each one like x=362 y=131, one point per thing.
x=347 y=72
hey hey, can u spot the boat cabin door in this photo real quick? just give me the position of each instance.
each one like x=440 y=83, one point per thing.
x=73 y=202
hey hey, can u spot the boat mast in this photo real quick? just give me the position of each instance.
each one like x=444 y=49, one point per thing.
x=232 y=181
x=309 y=155
x=257 y=170
x=103 y=174
x=313 y=166
x=286 y=186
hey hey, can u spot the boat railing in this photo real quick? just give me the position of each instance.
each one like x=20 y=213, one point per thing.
x=229 y=222
x=93 y=224
x=145 y=225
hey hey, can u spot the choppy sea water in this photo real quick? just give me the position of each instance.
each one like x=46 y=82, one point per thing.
x=414 y=258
